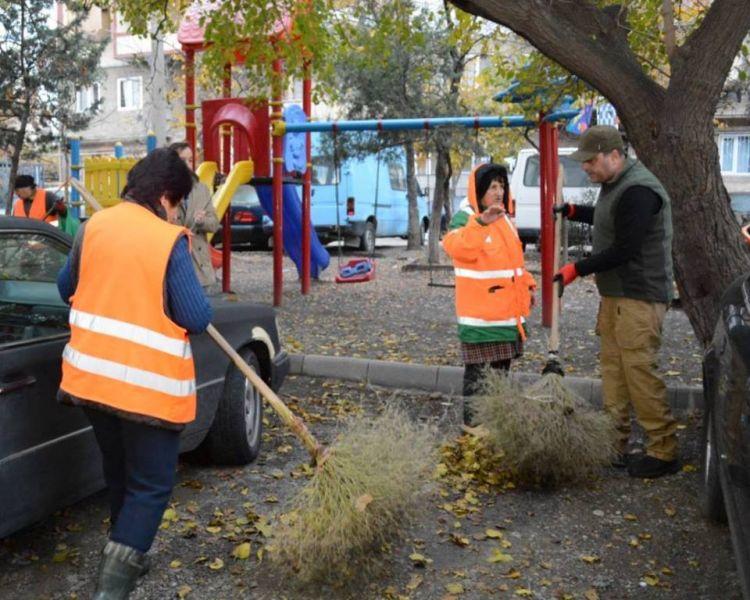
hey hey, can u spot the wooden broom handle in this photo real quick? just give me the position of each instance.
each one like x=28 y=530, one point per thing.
x=554 y=333
x=291 y=420
x=85 y=194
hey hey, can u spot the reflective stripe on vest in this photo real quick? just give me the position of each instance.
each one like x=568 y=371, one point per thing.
x=130 y=375
x=131 y=333
x=477 y=274
x=474 y=322
x=124 y=351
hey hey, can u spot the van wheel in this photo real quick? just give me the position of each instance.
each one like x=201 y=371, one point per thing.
x=235 y=435
x=367 y=239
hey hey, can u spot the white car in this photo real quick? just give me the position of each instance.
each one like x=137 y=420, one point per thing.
x=524 y=185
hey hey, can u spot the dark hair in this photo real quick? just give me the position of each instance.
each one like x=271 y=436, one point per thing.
x=485 y=175
x=161 y=173
x=23 y=181
x=179 y=146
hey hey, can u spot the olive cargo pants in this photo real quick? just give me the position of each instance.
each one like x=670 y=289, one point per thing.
x=630 y=332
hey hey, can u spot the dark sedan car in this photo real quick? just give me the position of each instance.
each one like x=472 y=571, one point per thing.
x=48 y=454
x=251 y=226
x=725 y=492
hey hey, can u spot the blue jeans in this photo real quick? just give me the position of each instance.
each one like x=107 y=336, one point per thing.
x=139 y=467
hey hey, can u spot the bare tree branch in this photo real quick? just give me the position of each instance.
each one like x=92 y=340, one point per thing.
x=668 y=27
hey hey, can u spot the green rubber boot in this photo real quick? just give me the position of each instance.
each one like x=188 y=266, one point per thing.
x=119 y=571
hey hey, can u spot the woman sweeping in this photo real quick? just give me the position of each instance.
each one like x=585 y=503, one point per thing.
x=494 y=292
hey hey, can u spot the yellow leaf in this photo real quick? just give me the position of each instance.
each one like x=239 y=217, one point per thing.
x=184 y=591
x=459 y=540
x=634 y=542
x=590 y=559
x=419 y=560
x=669 y=511
x=629 y=517
x=499 y=556
x=277 y=474
x=651 y=580
x=667 y=571
x=216 y=564
x=242 y=551
x=454 y=588
x=61 y=555
x=512 y=574
x=362 y=502
x=591 y=594
x=175 y=564
x=689 y=468
x=493 y=533
x=524 y=592
x=415 y=582
x=213 y=529
x=263 y=527
x=170 y=515
x=441 y=470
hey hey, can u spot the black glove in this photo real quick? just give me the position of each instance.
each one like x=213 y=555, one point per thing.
x=567 y=210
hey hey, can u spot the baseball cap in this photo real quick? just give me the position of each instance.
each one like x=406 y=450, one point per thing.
x=596 y=139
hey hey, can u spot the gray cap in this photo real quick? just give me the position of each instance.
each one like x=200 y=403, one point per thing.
x=596 y=139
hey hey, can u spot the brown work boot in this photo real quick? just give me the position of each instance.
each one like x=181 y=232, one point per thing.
x=119 y=571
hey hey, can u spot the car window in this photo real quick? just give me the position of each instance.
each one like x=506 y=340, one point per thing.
x=323 y=172
x=397 y=175
x=30 y=305
x=245 y=196
x=573 y=174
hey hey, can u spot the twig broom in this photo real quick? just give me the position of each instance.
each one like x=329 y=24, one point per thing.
x=363 y=488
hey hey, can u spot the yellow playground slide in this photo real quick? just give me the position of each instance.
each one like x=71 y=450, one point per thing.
x=241 y=173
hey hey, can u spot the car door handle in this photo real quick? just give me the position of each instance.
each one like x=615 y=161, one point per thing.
x=11 y=386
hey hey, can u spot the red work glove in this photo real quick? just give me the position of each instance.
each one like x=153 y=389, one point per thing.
x=60 y=209
x=567 y=210
x=566 y=275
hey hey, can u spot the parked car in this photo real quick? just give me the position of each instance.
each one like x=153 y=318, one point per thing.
x=740 y=203
x=725 y=490
x=372 y=200
x=251 y=226
x=524 y=184
x=48 y=455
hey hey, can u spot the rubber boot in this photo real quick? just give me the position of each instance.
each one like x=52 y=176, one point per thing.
x=119 y=571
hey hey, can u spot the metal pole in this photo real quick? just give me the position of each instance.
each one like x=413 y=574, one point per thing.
x=306 y=181
x=150 y=142
x=75 y=170
x=278 y=165
x=119 y=150
x=190 y=99
x=548 y=152
x=226 y=227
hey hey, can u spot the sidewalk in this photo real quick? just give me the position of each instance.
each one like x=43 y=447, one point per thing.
x=448 y=380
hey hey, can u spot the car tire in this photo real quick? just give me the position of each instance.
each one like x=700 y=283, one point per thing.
x=236 y=432
x=367 y=239
x=711 y=496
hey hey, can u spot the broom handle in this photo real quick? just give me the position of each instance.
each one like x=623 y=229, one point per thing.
x=291 y=420
x=85 y=194
x=553 y=346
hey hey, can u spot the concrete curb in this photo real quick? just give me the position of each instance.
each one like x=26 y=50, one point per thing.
x=449 y=380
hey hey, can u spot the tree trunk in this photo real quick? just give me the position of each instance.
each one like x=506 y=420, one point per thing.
x=443 y=173
x=15 y=161
x=707 y=249
x=412 y=193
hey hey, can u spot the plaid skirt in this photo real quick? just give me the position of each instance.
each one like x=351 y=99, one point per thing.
x=487 y=352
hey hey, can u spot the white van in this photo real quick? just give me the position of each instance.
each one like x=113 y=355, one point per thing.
x=524 y=185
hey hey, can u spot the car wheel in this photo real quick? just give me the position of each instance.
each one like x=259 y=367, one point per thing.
x=235 y=435
x=712 y=498
x=367 y=239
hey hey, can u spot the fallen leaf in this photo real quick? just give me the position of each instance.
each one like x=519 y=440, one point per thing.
x=651 y=580
x=277 y=474
x=498 y=555
x=419 y=560
x=170 y=515
x=216 y=564
x=183 y=591
x=524 y=592
x=591 y=594
x=175 y=564
x=629 y=517
x=493 y=533
x=454 y=588
x=669 y=511
x=362 y=502
x=213 y=529
x=689 y=468
x=512 y=574
x=590 y=559
x=242 y=551
x=414 y=582
x=459 y=540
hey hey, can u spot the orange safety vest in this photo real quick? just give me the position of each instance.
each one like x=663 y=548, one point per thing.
x=38 y=208
x=124 y=352
x=493 y=286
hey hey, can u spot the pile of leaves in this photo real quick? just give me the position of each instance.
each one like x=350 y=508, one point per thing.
x=359 y=500
x=546 y=434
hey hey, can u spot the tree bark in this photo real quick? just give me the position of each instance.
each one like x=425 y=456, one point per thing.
x=443 y=171
x=670 y=128
x=412 y=193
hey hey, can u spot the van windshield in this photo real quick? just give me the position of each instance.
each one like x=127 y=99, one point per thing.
x=573 y=174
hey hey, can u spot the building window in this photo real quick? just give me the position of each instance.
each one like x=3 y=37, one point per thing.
x=86 y=98
x=734 y=153
x=129 y=96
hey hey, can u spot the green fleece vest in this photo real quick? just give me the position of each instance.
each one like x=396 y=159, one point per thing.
x=648 y=275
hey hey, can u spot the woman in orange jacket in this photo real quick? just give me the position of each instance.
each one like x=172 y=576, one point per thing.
x=494 y=292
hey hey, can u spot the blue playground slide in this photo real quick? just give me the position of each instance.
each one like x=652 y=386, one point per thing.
x=319 y=257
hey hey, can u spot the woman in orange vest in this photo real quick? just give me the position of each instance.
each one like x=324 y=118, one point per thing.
x=36 y=203
x=134 y=298
x=494 y=291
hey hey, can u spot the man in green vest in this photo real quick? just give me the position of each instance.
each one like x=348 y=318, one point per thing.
x=632 y=265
